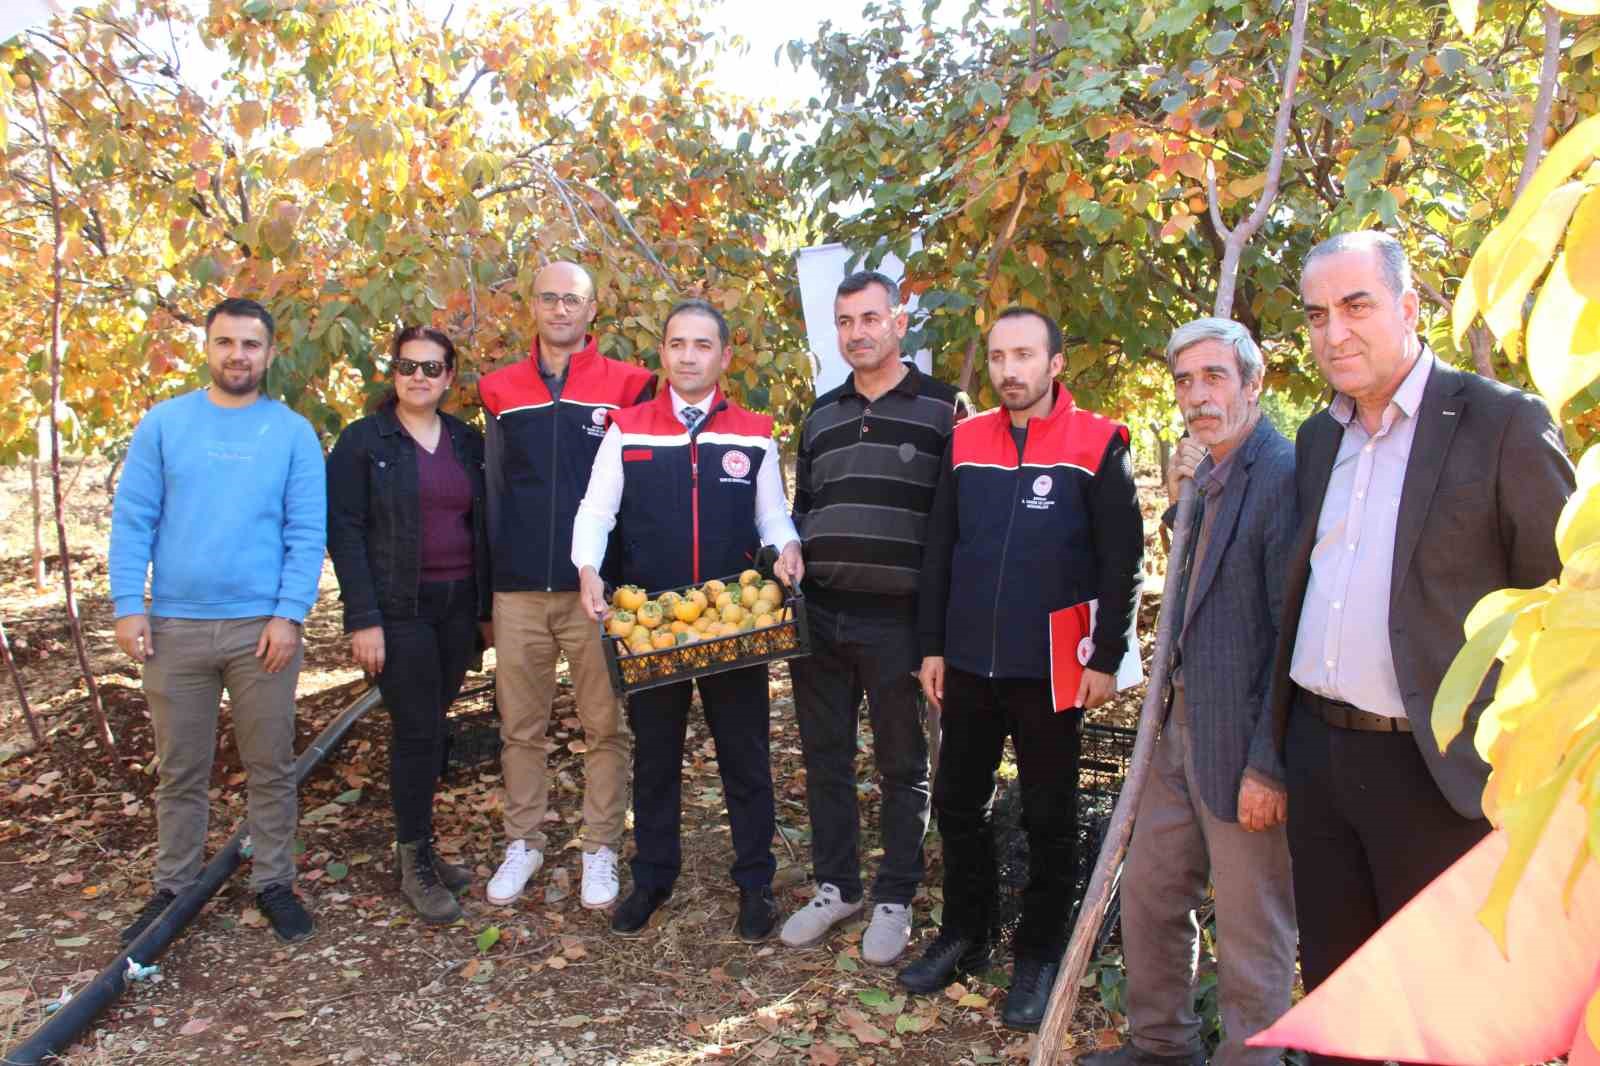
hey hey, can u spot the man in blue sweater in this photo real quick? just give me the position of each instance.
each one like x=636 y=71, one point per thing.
x=222 y=503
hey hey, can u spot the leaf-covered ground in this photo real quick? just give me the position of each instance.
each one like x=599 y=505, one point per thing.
x=540 y=982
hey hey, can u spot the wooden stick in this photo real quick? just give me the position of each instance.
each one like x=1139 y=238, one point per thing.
x=1055 y=1031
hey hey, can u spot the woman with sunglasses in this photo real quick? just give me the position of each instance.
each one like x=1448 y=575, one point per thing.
x=408 y=534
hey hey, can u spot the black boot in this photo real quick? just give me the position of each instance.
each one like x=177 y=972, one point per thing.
x=633 y=915
x=758 y=914
x=946 y=958
x=1031 y=983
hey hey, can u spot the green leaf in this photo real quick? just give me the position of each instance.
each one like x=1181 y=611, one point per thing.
x=335 y=872
x=488 y=938
x=846 y=963
x=873 y=997
x=990 y=93
x=351 y=796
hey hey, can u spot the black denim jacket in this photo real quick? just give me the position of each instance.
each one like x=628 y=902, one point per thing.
x=374 y=517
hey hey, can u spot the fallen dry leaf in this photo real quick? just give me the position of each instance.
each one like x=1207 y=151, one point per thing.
x=195 y=1026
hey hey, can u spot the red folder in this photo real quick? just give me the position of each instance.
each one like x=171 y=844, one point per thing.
x=1072 y=645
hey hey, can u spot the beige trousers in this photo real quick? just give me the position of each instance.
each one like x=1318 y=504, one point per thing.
x=531 y=629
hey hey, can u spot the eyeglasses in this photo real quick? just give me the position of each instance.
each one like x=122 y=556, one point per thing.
x=570 y=300
x=404 y=368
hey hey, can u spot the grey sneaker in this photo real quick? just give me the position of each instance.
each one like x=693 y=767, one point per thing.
x=887 y=934
x=811 y=923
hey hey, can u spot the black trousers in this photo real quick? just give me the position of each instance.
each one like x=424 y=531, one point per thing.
x=851 y=656
x=736 y=709
x=424 y=661
x=979 y=713
x=1368 y=830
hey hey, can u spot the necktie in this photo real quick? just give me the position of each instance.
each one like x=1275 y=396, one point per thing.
x=691 y=417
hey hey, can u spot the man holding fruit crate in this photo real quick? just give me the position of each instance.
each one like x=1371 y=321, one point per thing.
x=691 y=481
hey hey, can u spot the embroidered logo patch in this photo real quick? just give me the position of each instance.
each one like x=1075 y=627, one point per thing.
x=1041 y=485
x=598 y=416
x=736 y=464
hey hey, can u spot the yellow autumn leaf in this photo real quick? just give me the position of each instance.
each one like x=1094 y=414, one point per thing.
x=1466 y=13
x=1562 y=691
x=1465 y=677
x=1527 y=257
x=1565 y=156
x=1498 y=603
x=1524 y=821
x=1563 y=339
x=1583 y=247
x=1578 y=528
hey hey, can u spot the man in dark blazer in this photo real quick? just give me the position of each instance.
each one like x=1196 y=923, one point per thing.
x=1213 y=805
x=1420 y=489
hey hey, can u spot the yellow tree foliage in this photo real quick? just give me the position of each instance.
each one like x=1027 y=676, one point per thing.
x=1541 y=732
x=358 y=166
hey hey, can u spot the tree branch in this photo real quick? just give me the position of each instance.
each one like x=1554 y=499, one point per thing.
x=1241 y=234
x=1547 y=91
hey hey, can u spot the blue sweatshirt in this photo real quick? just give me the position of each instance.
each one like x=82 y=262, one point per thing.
x=227 y=504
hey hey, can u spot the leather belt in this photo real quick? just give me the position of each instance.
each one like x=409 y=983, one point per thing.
x=1342 y=715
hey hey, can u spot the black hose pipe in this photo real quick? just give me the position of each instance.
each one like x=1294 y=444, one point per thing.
x=78 y=1013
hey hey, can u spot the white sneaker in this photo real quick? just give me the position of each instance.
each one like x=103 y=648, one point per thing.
x=811 y=923
x=522 y=862
x=887 y=934
x=599 y=878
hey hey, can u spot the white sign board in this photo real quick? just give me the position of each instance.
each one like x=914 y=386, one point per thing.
x=821 y=269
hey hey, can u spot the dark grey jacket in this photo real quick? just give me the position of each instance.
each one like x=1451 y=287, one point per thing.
x=1486 y=481
x=1237 y=598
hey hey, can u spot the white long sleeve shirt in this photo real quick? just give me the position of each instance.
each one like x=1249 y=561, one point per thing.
x=597 y=514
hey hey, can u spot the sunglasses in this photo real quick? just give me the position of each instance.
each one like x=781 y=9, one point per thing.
x=406 y=367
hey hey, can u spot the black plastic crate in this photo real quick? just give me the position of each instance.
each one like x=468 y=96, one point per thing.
x=637 y=671
x=1102 y=767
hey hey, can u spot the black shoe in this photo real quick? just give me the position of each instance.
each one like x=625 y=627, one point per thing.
x=758 y=914
x=944 y=959
x=289 y=919
x=633 y=914
x=1129 y=1055
x=147 y=914
x=1031 y=983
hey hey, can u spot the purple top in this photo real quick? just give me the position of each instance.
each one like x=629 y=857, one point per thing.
x=445 y=495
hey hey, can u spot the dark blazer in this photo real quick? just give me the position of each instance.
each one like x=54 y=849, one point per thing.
x=1237 y=598
x=375 y=520
x=1486 y=480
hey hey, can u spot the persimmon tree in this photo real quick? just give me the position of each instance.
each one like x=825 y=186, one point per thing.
x=1056 y=154
x=358 y=166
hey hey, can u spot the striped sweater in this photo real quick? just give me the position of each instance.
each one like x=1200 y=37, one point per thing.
x=864 y=482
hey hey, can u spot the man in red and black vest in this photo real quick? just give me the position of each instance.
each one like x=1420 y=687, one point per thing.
x=691 y=482
x=545 y=416
x=1035 y=511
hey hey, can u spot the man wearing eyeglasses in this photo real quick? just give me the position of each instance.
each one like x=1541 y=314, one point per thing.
x=545 y=417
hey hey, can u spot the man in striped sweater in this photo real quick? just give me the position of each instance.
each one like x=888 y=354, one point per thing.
x=868 y=463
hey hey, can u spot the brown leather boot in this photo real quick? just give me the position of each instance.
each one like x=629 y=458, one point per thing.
x=420 y=885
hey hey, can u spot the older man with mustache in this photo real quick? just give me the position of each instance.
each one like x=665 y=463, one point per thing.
x=1214 y=806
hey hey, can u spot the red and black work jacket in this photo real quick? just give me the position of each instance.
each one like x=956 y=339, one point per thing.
x=537 y=457
x=688 y=511
x=1013 y=537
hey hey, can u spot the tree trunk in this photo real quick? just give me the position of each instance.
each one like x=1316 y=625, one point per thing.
x=1055 y=1031
x=38 y=524
x=995 y=253
x=1549 y=67
x=22 y=693
x=74 y=624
